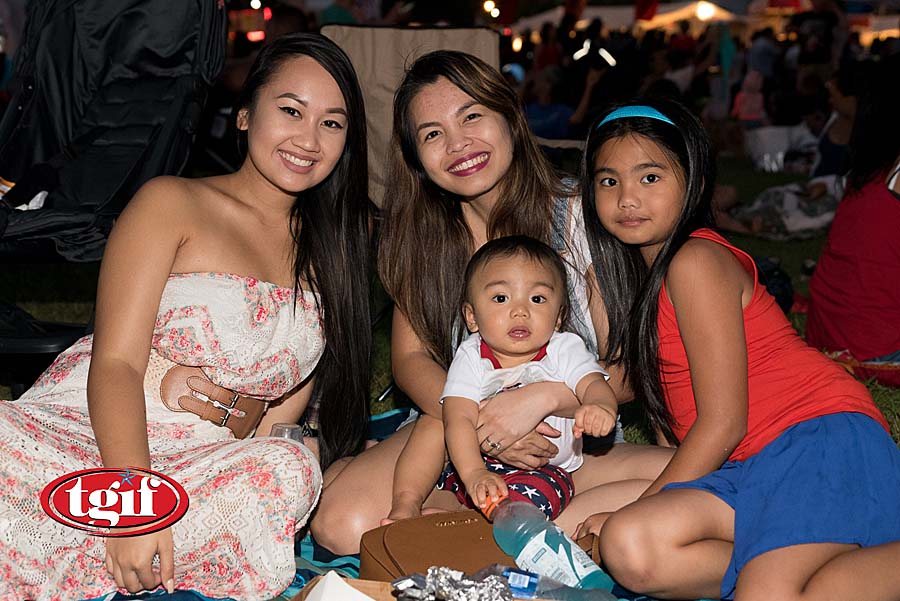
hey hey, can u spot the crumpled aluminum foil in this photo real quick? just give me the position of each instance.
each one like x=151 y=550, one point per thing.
x=444 y=584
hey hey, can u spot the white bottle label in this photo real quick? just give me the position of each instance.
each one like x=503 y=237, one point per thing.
x=539 y=557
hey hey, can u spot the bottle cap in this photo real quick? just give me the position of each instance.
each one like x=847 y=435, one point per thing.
x=491 y=506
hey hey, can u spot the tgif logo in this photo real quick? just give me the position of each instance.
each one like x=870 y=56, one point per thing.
x=104 y=500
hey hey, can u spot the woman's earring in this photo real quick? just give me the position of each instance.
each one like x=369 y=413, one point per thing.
x=242 y=120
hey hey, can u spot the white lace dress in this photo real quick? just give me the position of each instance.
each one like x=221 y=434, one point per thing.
x=247 y=497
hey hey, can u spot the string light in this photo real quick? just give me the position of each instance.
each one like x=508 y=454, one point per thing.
x=603 y=52
x=705 y=10
x=580 y=54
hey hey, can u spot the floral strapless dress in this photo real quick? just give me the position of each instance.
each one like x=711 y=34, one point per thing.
x=247 y=497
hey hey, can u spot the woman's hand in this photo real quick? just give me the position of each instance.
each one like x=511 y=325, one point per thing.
x=130 y=561
x=508 y=416
x=530 y=452
x=592 y=525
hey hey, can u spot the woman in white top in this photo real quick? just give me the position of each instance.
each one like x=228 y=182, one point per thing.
x=466 y=169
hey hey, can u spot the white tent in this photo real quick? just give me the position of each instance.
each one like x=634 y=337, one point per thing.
x=696 y=12
x=880 y=27
x=616 y=17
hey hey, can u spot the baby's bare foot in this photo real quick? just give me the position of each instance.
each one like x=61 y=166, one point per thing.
x=402 y=511
x=433 y=510
x=403 y=515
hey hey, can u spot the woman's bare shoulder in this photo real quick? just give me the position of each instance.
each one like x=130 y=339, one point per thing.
x=161 y=193
x=176 y=197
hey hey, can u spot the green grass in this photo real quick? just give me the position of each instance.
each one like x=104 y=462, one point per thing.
x=888 y=400
x=381 y=365
x=63 y=292
x=749 y=182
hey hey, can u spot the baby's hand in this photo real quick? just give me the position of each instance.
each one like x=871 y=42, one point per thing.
x=486 y=488
x=594 y=420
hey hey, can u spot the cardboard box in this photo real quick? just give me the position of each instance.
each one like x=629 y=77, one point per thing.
x=380 y=591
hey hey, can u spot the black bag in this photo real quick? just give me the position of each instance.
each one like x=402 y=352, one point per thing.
x=105 y=96
x=776 y=280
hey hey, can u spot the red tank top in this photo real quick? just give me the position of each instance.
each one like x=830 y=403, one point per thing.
x=788 y=381
x=855 y=290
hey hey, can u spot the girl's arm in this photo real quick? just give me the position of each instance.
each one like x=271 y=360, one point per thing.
x=136 y=264
x=289 y=410
x=592 y=389
x=138 y=259
x=509 y=416
x=709 y=290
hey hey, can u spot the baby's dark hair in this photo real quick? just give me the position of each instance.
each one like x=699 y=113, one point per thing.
x=515 y=246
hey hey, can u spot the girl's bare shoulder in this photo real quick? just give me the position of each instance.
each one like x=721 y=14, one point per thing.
x=705 y=263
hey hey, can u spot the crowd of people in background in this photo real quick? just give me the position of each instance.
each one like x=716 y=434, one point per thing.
x=806 y=74
x=768 y=79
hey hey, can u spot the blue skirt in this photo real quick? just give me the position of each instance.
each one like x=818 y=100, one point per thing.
x=831 y=479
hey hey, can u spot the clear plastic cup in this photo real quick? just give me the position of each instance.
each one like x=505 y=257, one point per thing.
x=292 y=431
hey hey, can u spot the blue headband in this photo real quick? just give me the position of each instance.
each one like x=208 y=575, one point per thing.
x=635 y=110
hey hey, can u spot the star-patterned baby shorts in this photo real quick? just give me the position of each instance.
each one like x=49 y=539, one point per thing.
x=549 y=488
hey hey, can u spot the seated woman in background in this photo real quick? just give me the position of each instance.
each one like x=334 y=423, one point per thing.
x=802 y=210
x=250 y=280
x=855 y=290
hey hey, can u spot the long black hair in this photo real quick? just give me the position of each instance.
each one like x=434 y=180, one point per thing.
x=425 y=285
x=875 y=139
x=630 y=289
x=333 y=251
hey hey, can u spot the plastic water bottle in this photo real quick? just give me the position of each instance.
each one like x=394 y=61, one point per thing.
x=526 y=585
x=540 y=546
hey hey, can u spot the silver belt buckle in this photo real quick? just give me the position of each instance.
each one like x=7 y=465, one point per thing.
x=229 y=409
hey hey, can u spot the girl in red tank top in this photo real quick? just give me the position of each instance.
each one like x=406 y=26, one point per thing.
x=785 y=482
